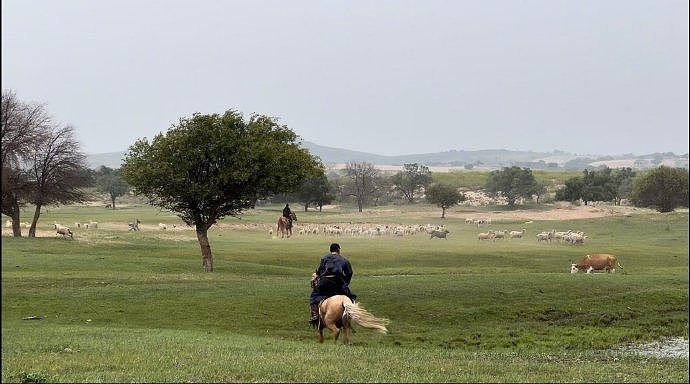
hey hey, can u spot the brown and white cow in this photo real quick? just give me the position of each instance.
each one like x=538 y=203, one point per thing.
x=596 y=262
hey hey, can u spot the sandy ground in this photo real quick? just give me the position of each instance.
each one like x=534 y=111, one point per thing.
x=560 y=212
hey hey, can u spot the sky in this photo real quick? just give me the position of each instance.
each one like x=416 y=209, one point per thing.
x=388 y=77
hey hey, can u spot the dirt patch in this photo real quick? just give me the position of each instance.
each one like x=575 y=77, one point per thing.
x=674 y=347
x=559 y=212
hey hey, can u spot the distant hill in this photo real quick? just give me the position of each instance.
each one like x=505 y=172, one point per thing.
x=484 y=159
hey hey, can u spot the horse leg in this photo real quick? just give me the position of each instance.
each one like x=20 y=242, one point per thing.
x=346 y=331
x=319 y=334
x=335 y=331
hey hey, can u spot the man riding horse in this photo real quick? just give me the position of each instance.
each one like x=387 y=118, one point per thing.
x=289 y=215
x=331 y=278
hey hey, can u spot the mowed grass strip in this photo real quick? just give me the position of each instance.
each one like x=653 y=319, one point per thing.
x=454 y=304
x=106 y=354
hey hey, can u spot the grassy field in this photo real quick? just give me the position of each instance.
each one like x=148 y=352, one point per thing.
x=126 y=306
x=477 y=179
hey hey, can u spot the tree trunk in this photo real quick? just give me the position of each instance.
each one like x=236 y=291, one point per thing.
x=306 y=206
x=443 y=213
x=320 y=207
x=359 y=203
x=112 y=199
x=37 y=213
x=16 y=225
x=206 y=257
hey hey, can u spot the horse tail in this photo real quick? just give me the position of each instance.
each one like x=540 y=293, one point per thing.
x=363 y=318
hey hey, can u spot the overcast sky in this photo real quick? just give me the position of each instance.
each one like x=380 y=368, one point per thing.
x=389 y=77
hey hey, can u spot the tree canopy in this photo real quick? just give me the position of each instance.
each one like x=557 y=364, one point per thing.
x=443 y=196
x=111 y=182
x=315 y=190
x=210 y=166
x=412 y=177
x=663 y=188
x=512 y=183
x=597 y=185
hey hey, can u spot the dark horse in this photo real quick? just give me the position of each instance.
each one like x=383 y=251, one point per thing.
x=285 y=225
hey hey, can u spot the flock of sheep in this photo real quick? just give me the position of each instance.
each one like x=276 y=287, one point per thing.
x=365 y=230
x=370 y=230
x=570 y=237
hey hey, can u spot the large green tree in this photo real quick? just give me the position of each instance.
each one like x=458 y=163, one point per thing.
x=315 y=190
x=111 y=182
x=512 y=183
x=443 y=196
x=210 y=166
x=663 y=188
x=410 y=179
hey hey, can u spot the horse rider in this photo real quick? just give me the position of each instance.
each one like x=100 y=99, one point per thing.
x=331 y=278
x=287 y=214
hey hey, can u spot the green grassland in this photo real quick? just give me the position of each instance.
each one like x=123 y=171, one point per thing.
x=135 y=306
x=477 y=179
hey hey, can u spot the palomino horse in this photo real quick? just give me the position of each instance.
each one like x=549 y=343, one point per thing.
x=284 y=226
x=336 y=312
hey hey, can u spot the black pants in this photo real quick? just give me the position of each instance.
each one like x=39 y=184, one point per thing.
x=330 y=286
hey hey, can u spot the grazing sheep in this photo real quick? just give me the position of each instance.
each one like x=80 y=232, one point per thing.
x=440 y=234
x=162 y=226
x=270 y=232
x=26 y=225
x=543 y=236
x=93 y=224
x=500 y=234
x=517 y=234
x=62 y=230
x=487 y=236
x=77 y=225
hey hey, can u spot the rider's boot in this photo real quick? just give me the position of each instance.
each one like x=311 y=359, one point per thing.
x=314 y=314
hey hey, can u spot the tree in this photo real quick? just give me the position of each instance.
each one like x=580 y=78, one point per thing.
x=571 y=191
x=512 y=183
x=22 y=125
x=57 y=171
x=623 y=183
x=597 y=185
x=412 y=177
x=110 y=182
x=207 y=167
x=539 y=190
x=444 y=196
x=663 y=188
x=362 y=177
x=315 y=189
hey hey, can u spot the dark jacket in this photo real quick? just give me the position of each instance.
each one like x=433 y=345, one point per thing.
x=334 y=275
x=286 y=212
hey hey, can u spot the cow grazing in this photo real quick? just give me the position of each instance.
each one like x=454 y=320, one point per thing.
x=596 y=262
x=441 y=234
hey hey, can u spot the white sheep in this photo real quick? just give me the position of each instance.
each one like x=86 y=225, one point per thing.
x=62 y=230
x=162 y=226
